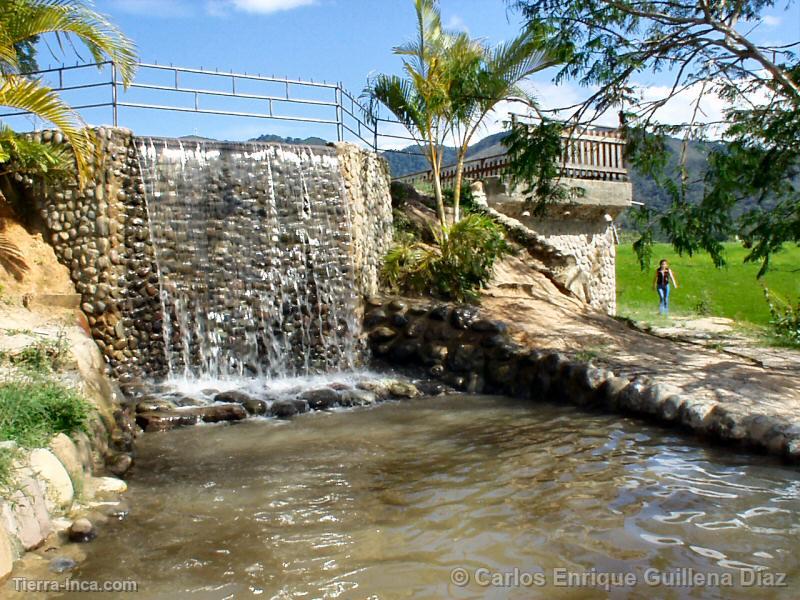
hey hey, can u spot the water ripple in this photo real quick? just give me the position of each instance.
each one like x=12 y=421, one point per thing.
x=384 y=503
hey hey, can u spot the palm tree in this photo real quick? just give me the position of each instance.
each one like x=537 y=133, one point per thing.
x=22 y=21
x=422 y=101
x=453 y=83
x=481 y=84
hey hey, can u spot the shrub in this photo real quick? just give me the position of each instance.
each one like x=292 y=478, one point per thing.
x=32 y=411
x=785 y=319
x=703 y=306
x=44 y=356
x=467 y=201
x=456 y=267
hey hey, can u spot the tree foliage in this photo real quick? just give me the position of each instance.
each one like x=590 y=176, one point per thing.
x=22 y=24
x=701 y=48
x=456 y=267
x=452 y=83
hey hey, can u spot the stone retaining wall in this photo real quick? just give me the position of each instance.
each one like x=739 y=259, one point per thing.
x=366 y=178
x=456 y=345
x=578 y=234
x=101 y=232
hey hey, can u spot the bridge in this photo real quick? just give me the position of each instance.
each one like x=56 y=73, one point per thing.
x=594 y=154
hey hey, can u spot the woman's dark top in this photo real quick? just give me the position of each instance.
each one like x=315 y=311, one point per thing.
x=662 y=278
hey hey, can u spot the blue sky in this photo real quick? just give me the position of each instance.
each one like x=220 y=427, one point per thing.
x=334 y=40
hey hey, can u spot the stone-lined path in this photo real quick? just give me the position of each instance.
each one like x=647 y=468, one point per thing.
x=759 y=397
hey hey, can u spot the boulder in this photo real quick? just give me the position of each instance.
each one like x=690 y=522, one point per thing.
x=464 y=316
x=25 y=514
x=164 y=420
x=379 y=388
x=283 y=409
x=61 y=564
x=439 y=313
x=59 y=492
x=151 y=405
x=256 y=407
x=6 y=555
x=232 y=397
x=432 y=388
x=374 y=317
x=397 y=306
x=320 y=399
x=185 y=401
x=696 y=413
x=488 y=326
x=119 y=464
x=104 y=487
x=466 y=358
x=382 y=334
x=403 y=390
x=404 y=352
x=81 y=531
x=252 y=405
x=220 y=412
x=67 y=453
x=357 y=398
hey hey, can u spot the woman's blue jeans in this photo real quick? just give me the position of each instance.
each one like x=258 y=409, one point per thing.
x=663 y=296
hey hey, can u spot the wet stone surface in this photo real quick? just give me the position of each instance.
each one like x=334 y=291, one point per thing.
x=161 y=407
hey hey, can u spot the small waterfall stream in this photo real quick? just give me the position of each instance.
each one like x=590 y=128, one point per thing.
x=253 y=248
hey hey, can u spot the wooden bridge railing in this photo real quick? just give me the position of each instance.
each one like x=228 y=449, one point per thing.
x=594 y=154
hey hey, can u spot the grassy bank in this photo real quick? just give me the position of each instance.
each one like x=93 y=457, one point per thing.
x=34 y=404
x=732 y=292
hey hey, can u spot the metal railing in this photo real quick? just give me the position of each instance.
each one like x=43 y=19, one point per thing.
x=593 y=154
x=267 y=97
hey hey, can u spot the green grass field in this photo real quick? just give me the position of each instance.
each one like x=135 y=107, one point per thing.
x=732 y=291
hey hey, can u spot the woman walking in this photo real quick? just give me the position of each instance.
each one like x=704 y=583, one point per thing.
x=661 y=284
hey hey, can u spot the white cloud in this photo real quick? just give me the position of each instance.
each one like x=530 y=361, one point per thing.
x=456 y=23
x=263 y=7
x=771 y=20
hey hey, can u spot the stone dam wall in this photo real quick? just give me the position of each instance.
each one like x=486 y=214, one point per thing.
x=105 y=233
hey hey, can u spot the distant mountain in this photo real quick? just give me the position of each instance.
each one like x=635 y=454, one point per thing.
x=644 y=188
x=309 y=141
x=409 y=160
x=196 y=138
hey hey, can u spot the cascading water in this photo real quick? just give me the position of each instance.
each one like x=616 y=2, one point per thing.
x=253 y=248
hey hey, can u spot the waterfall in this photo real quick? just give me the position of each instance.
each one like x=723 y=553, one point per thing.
x=253 y=245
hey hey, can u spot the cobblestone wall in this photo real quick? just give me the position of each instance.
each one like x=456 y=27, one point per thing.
x=102 y=233
x=366 y=178
x=576 y=239
x=592 y=245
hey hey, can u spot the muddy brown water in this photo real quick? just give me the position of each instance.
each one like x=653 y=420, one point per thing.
x=463 y=497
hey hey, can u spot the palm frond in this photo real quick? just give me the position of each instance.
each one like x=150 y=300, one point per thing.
x=399 y=96
x=29 y=95
x=19 y=154
x=31 y=18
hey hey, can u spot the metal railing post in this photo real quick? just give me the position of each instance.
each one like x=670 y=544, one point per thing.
x=114 y=94
x=339 y=115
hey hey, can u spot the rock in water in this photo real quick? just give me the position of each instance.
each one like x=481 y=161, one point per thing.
x=81 y=531
x=62 y=564
x=320 y=399
x=403 y=390
x=283 y=409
